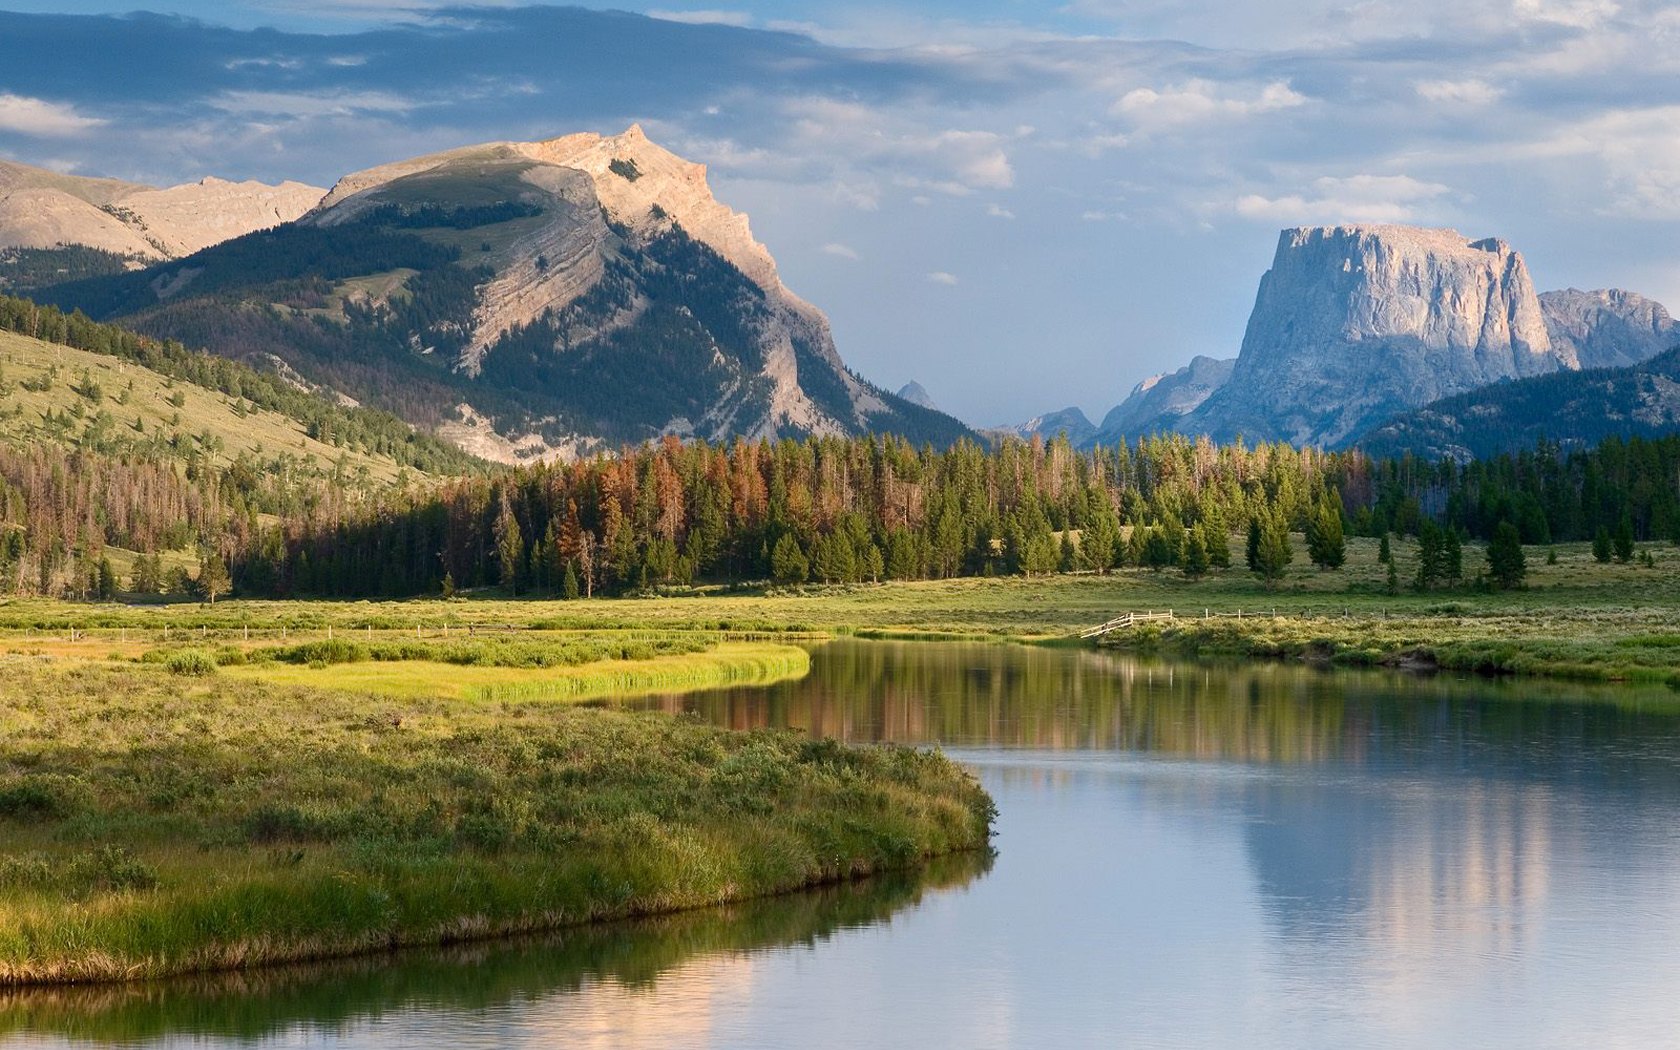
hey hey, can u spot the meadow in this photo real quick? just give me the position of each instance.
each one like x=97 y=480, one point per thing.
x=159 y=820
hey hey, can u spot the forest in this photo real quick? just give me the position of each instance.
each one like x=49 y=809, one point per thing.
x=838 y=510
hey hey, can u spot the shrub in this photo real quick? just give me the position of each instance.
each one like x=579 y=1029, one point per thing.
x=192 y=662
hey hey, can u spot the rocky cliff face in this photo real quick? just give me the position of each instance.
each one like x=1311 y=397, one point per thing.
x=43 y=209
x=1159 y=403
x=917 y=394
x=1608 y=328
x=1355 y=323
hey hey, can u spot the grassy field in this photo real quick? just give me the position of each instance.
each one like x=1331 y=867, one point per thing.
x=1576 y=617
x=155 y=822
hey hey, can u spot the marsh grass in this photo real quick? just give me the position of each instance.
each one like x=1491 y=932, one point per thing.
x=153 y=824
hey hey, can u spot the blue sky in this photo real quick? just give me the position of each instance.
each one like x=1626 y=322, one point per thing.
x=1021 y=205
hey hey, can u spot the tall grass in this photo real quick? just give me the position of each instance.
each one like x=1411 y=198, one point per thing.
x=152 y=824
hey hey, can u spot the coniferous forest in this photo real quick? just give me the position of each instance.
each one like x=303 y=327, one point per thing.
x=835 y=510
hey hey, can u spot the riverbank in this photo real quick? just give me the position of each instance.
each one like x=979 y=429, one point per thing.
x=159 y=823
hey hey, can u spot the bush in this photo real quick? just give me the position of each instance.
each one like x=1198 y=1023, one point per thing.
x=192 y=662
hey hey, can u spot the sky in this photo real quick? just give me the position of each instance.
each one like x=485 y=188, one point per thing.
x=1021 y=205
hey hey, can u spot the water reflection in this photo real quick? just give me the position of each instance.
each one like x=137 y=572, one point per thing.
x=1188 y=856
x=507 y=986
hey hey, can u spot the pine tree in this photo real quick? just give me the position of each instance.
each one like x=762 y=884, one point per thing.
x=569 y=583
x=787 y=561
x=1452 y=558
x=213 y=578
x=1601 y=545
x=1272 y=551
x=1255 y=536
x=1506 y=566
x=106 y=587
x=1431 y=555
x=1326 y=544
x=1195 y=560
x=1623 y=539
x=510 y=547
x=1385 y=555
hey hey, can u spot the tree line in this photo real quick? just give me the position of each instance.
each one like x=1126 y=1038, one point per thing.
x=844 y=510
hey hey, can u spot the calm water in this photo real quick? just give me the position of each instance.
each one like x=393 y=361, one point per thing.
x=1187 y=857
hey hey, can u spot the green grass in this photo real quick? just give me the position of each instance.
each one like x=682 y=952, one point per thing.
x=1577 y=617
x=154 y=823
x=729 y=663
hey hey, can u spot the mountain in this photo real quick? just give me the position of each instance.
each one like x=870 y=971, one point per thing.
x=1355 y=323
x=1608 y=328
x=917 y=394
x=1070 y=421
x=1570 y=408
x=1160 y=402
x=41 y=209
x=526 y=300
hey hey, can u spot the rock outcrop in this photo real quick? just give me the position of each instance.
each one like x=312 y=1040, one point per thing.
x=43 y=209
x=1355 y=323
x=1159 y=403
x=1608 y=328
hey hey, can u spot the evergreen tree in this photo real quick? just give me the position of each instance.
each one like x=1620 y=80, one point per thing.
x=1195 y=560
x=510 y=547
x=1452 y=557
x=1385 y=555
x=1392 y=583
x=1506 y=566
x=1623 y=539
x=787 y=561
x=1218 y=544
x=1255 y=537
x=1601 y=544
x=106 y=584
x=1272 y=550
x=569 y=588
x=1431 y=555
x=1070 y=554
x=213 y=578
x=1326 y=544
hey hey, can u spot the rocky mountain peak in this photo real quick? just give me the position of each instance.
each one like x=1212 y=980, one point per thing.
x=1609 y=327
x=1355 y=322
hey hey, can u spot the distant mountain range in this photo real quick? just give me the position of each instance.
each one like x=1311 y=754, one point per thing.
x=525 y=300
x=1354 y=325
x=1570 y=408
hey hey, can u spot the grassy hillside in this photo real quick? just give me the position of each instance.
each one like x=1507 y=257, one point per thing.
x=77 y=399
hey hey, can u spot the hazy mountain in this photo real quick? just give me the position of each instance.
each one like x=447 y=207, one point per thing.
x=1609 y=327
x=1070 y=421
x=916 y=394
x=1571 y=408
x=42 y=209
x=1159 y=403
x=525 y=299
x=1355 y=323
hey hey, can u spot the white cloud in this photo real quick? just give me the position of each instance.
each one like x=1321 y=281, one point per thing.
x=844 y=251
x=998 y=211
x=38 y=117
x=1357 y=198
x=1635 y=153
x=707 y=18
x=941 y=277
x=1471 y=92
x=1196 y=101
x=300 y=104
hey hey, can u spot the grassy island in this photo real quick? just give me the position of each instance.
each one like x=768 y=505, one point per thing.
x=158 y=821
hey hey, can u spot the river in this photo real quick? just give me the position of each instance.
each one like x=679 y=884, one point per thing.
x=1246 y=856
